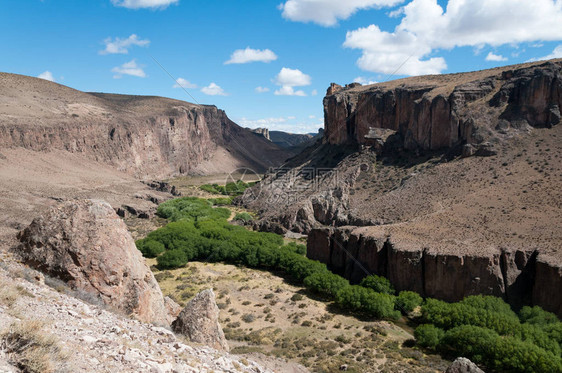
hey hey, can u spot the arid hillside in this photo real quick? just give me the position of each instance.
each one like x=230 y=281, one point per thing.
x=449 y=190
x=143 y=136
x=57 y=143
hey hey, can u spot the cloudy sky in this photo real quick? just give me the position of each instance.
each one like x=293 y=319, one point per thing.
x=267 y=63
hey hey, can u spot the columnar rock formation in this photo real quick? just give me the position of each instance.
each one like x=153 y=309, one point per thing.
x=445 y=110
x=521 y=277
x=85 y=244
x=199 y=321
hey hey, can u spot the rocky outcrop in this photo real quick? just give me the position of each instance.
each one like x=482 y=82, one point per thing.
x=91 y=339
x=445 y=111
x=85 y=244
x=520 y=277
x=264 y=132
x=463 y=365
x=199 y=321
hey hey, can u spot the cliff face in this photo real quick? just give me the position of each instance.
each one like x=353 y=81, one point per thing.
x=443 y=111
x=387 y=192
x=520 y=277
x=143 y=136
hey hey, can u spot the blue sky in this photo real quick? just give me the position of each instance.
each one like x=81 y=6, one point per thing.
x=291 y=49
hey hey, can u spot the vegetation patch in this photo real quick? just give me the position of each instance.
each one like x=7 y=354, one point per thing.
x=198 y=231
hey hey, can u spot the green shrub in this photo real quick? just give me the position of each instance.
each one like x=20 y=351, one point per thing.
x=428 y=335
x=172 y=259
x=500 y=354
x=362 y=299
x=377 y=283
x=536 y=315
x=325 y=282
x=407 y=301
x=220 y=201
x=243 y=216
x=150 y=248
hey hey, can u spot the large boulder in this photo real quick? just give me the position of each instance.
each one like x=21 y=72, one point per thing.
x=85 y=244
x=199 y=321
x=463 y=365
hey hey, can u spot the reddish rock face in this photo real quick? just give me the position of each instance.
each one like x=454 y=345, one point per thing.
x=435 y=115
x=85 y=244
x=519 y=277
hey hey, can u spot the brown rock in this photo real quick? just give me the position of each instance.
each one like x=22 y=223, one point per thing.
x=433 y=112
x=517 y=276
x=172 y=309
x=463 y=365
x=199 y=321
x=85 y=244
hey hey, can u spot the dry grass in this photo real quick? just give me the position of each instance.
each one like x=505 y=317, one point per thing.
x=280 y=326
x=31 y=348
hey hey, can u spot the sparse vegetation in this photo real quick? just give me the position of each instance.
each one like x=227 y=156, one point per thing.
x=200 y=232
x=32 y=349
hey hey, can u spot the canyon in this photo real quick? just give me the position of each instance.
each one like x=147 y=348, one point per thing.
x=449 y=185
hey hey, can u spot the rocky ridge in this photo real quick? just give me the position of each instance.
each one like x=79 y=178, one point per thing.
x=144 y=136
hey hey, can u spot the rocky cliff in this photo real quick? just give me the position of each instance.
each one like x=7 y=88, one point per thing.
x=393 y=189
x=442 y=111
x=144 y=136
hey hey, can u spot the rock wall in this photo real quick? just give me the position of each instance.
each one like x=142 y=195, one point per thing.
x=520 y=277
x=439 y=113
x=150 y=146
x=145 y=136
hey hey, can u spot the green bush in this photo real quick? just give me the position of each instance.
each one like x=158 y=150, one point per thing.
x=220 y=201
x=172 y=259
x=361 y=299
x=428 y=335
x=151 y=248
x=500 y=354
x=378 y=283
x=243 y=216
x=407 y=301
x=325 y=282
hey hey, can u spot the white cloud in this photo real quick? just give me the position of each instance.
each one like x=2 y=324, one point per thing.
x=556 y=53
x=251 y=55
x=182 y=83
x=129 y=68
x=495 y=57
x=384 y=52
x=312 y=117
x=364 y=81
x=47 y=75
x=261 y=89
x=328 y=12
x=138 y=4
x=285 y=124
x=289 y=91
x=213 y=90
x=314 y=92
x=410 y=47
x=121 y=46
x=290 y=78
